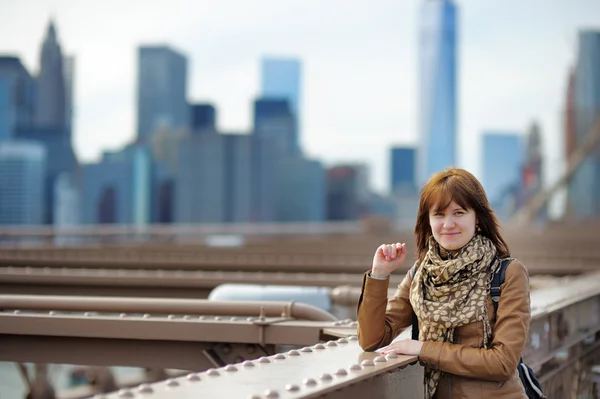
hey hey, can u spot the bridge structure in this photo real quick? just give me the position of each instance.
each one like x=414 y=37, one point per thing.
x=146 y=305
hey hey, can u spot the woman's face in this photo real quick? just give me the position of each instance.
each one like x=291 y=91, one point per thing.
x=452 y=227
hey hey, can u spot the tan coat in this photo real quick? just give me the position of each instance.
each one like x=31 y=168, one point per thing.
x=469 y=370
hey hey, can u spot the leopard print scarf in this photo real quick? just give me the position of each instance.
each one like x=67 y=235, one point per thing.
x=449 y=293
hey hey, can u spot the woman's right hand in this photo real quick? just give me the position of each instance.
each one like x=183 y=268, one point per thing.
x=388 y=258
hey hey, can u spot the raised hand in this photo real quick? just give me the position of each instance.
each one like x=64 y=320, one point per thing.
x=388 y=258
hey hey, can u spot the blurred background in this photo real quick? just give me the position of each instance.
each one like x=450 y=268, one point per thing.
x=179 y=112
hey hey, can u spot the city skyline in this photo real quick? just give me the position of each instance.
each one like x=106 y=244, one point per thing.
x=360 y=91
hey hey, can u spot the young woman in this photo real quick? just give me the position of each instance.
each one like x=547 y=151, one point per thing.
x=468 y=350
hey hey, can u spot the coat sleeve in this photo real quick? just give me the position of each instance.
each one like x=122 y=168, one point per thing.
x=381 y=320
x=499 y=362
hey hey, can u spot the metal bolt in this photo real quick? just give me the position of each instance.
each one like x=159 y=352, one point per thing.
x=319 y=346
x=264 y=360
x=292 y=388
x=306 y=349
x=218 y=318
x=279 y=356
x=52 y=313
x=146 y=316
x=355 y=367
x=125 y=393
x=123 y=315
x=213 y=373
x=271 y=394
x=309 y=382
x=88 y=314
x=367 y=363
x=342 y=341
x=294 y=353
x=326 y=377
x=341 y=372
x=231 y=368
x=234 y=319
x=17 y=312
x=250 y=319
x=187 y=317
x=380 y=359
x=331 y=343
x=202 y=318
x=193 y=377
x=248 y=363
x=172 y=383
x=145 y=388
x=352 y=338
x=391 y=356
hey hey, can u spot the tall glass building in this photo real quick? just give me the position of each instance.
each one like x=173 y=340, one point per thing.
x=281 y=79
x=17 y=100
x=437 y=87
x=402 y=173
x=22 y=171
x=161 y=90
x=502 y=157
x=584 y=190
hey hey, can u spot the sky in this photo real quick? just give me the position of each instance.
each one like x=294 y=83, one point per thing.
x=359 y=67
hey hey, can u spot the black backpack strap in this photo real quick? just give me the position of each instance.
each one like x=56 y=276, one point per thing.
x=497 y=281
x=415 y=320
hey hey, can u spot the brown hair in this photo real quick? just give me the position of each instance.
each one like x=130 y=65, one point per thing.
x=462 y=187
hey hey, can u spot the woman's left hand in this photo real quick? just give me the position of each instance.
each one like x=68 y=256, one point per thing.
x=405 y=347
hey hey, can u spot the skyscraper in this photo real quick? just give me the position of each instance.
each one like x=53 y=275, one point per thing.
x=69 y=78
x=280 y=79
x=501 y=173
x=51 y=98
x=22 y=170
x=402 y=173
x=437 y=87
x=161 y=90
x=274 y=121
x=17 y=101
x=584 y=190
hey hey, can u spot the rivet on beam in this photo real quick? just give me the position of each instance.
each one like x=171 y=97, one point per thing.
x=380 y=359
x=125 y=393
x=88 y=314
x=146 y=316
x=248 y=363
x=145 y=388
x=171 y=317
x=17 y=312
x=231 y=368
x=271 y=394
x=306 y=349
x=264 y=360
x=292 y=388
x=367 y=363
x=391 y=356
x=309 y=382
x=193 y=377
x=355 y=367
x=352 y=338
x=123 y=315
x=172 y=383
x=341 y=372
x=52 y=313
x=279 y=356
x=325 y=377
x=293 y=353
x=213 y=373
x=331 y=343
x=354 y=324
x=187 y=317
x=342 y=341
x=319 y=346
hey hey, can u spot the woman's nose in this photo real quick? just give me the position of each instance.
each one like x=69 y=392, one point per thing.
x=449 y=222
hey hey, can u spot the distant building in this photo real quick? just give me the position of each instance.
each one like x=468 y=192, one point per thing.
x=69 y=79
x=203 y=118
x=584 y=189
x=300 y=191
x=67 y=212
x=161 y=91
x=117 y=189
x=17 y=97
x=281 y=79
x=403 y=170
x=51 y=109
x=274 y=121
x=347 y=192
x=22 y=171
x=437 y=87
x=502 y=157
